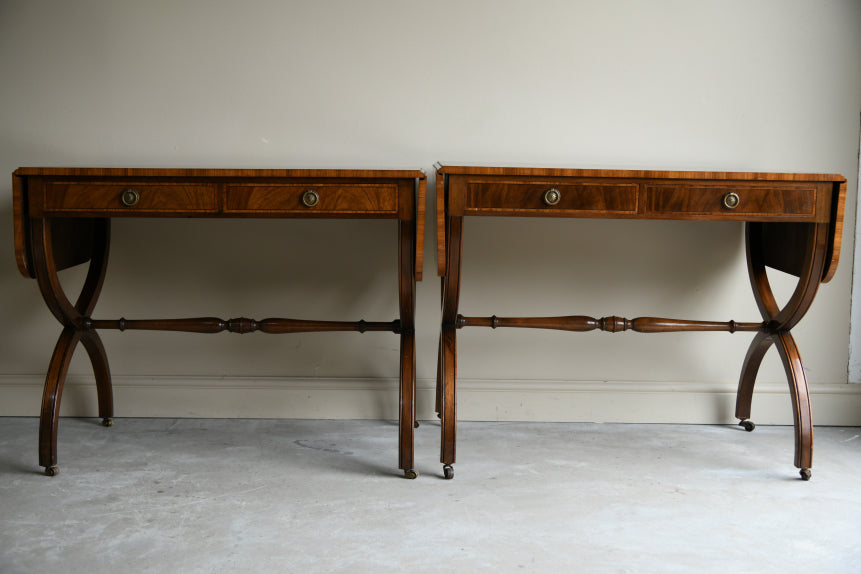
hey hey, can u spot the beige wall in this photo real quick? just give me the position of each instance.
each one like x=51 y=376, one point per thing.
x=769 y=85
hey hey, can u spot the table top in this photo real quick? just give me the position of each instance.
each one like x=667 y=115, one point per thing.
x=155 y=192
x=216 y=173
x=635 y=173
x=646 y=194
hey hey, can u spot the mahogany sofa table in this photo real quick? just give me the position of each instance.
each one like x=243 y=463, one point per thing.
x=793 y=222
x=62 y=218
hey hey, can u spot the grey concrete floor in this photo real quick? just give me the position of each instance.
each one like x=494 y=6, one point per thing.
x=191 y=495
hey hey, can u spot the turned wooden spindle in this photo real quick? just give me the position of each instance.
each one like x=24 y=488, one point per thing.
x=612 y=324
x=240 y=325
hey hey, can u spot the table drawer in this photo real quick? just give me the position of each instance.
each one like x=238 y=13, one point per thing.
x=548 y=198
x=309 y=198
x=771 y=202
x=129 y=198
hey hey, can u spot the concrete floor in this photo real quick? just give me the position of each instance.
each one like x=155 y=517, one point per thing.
x=191 y=495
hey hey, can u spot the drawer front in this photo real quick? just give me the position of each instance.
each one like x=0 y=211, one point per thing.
x=311 y=198
x=549 y=198
x=129 y=198
x=731 y=201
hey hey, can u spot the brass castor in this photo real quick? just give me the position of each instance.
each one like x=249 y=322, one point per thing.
x=107 y=422
x=748 y=425
x=416 y=424
x=410 y=473
x=448 y=472
x=805 y=474
x=51 y=471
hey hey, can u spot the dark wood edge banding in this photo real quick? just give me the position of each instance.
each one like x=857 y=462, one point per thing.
x=836 y=229
x=21 y=225
x=420 y=226
x=440 y=221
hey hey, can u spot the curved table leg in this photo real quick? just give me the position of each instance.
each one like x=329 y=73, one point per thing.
x=756 y=352
x=85 y=304
x=438 y=392
x=74 y=320
x=438 y=400
x=407 y=303
x=447 y=372
x=53 y=391
x=778 y=324
x=801 y=412
x=96 y=351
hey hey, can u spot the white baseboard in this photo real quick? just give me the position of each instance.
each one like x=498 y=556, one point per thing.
x=485 y=400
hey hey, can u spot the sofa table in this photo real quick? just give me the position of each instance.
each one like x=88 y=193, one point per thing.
x=793 y=222
x=62 y=218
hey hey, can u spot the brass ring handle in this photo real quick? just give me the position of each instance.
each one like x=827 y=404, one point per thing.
x=730 y=200
x=552 y=196
x=310 y=198
x=130 y=197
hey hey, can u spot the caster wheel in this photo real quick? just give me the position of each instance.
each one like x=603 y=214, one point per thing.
x=51 y=471
x=411 y=474
x=748 y=425
x=448 y=472
x=416 y=425
x=107 y=422
x=805 y=474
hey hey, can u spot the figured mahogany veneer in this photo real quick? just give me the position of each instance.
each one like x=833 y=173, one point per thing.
x=794 y=223
x=332 y=199
x=763 y=202
x=62 y=218
x=86 y=198
x=578 y=200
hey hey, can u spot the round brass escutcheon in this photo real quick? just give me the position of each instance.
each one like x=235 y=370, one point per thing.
x=130 y=197
x=552 y=196
x=730 y=200
x=310 y=198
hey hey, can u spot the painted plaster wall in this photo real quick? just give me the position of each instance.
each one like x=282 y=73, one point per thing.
x=716 y=85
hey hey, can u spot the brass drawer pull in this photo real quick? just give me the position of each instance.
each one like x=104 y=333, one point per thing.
x=310 y=198
x=552 y=196
x=730 y=200
x=130 y=197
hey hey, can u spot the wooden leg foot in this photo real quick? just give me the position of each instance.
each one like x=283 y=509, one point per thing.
x=448 y=472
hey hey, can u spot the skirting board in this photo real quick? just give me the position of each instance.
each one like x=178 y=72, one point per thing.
x=478 y=400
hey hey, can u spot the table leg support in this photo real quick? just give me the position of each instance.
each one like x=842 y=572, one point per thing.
x=778 y=323
x=447 y=372
x=438 y=392
x=801 y=410
x=74 y=331
x=53 y=391
x=407 y=303
x=407 y=415
x=99 y=359
x=438 y=398
x=756 y=352
x=448 y=366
